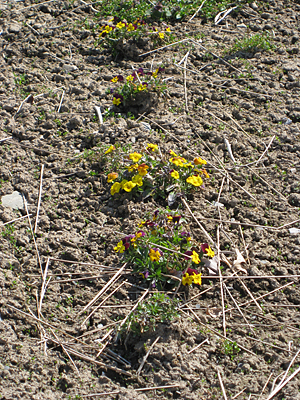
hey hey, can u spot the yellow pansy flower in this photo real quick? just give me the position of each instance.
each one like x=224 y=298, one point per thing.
x=195 y=180
x=115 y=188
x=187 y=279
x=138 y=180
x=197 y=279
x=154 y=255
x=130 y=28
x=132 y=167
x=120 y=25
x=143 y=169
x=129 y=186
x=142 y=87
x=120 y=248
x=195 y=258
x=112 y=176
x=210 y=252
x=187 y=165
x=152 y=147
x=116 y=101
x=110 y=149
x=199 y=161
x=124 y=181
x=135 y=157
x=179 y=161
x=161 y=35
x=175 y=174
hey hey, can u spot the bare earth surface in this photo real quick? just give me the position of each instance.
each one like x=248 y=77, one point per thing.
x=252 y=100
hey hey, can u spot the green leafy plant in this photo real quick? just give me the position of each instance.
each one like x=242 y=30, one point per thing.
x=161 y=251
x=154 y=174
x=231 y=349
x=158 y=308
x=252 y=44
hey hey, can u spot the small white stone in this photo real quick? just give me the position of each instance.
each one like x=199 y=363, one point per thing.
x=294 y=231
x=14 y=200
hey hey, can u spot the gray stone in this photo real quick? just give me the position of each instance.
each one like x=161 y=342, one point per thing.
x=14 y=200
x=14 y=28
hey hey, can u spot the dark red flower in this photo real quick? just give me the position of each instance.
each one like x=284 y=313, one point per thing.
x=204 y=247
x=188 y=253
x=192 y=271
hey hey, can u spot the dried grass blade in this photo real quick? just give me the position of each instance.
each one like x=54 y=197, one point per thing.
x=103 y=290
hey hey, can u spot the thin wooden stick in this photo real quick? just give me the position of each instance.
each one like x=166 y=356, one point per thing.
x=26 y=99
x=39 y=199
x=260 y=158
x=185 y=87
x=262 y=296
x=79 y=263
x=146 y=356
x=103 y=290
x=271 y=187
x=253 y=277
x=103 y=301
x=92 y=360
x=278 y=388
x=137 y=390
x=35 y=5
x=265 y=385
x=198 y=223
x=7 y=138
x=221 y=282
x=14 y=220
x=290 y=364
x=237 y=306
x=237 y=395
x=66 y=351
x=222 y=386
x=99 y=114
x=216 y=332
x=164 y=47
x=199 y=345
x=43 y=288
x=33 y=236
x=194 y=15
x=61 y=100
x=133 y=308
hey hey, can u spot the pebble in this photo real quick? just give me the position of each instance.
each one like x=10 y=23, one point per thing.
x=14 y=201
x=294 y=231
x=69 y=68
x=14 y=28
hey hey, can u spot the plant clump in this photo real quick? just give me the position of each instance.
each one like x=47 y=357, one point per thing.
x=116 y=33
x=252 y=44
x=150 y=173
x=136 y=82
x=160 y=251
x=156 y=309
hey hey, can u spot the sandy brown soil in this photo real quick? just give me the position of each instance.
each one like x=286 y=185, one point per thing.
x=251 y=100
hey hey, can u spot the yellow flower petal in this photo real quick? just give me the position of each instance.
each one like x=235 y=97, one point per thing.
x=195 y=180
x=135 y=157
x=129 y=186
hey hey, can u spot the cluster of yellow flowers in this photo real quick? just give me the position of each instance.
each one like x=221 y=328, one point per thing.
x=188 y=279
x=195 y=179
x=186 y=171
